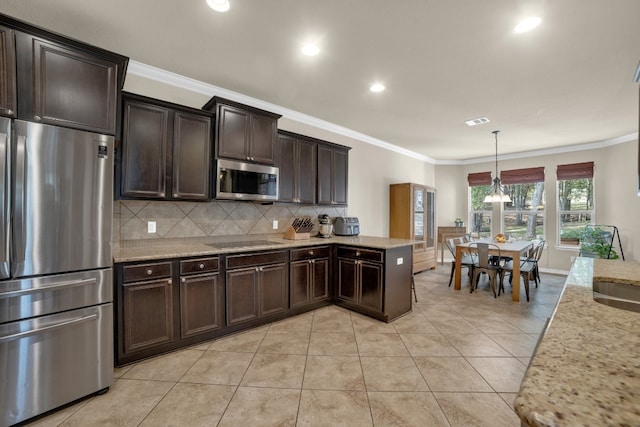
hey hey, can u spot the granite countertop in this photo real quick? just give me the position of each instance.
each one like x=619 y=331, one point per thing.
x=586 y=369
x=150 y=249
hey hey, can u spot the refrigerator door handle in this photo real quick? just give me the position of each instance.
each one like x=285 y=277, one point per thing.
x=19 y=237
x=4 y=206
x=54 y=287
x=44 y=329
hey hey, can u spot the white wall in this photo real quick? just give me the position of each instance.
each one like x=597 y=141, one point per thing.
x=615 y=177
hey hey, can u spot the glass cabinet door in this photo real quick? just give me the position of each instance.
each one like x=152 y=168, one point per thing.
x=418 y=214
x=430 y=214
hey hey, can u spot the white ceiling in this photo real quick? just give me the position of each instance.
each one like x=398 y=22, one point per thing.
x=568 y=82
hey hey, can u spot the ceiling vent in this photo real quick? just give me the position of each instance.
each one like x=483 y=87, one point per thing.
x=478 y=121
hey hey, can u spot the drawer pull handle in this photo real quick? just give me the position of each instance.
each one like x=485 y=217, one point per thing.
x=311 y=253
x=201 y=266
x=183 y=280
x=357 y=253
x=149 y=272
x=169 y=281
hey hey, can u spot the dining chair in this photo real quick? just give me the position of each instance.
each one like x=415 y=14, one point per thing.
x=466 y=261
x=483 y=265
x=528 y=268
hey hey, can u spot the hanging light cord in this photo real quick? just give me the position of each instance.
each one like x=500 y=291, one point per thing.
x=496 y=188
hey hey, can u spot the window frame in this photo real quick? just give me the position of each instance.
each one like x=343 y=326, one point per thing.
x=505 y=211
x=471 y=211
x=560 y=212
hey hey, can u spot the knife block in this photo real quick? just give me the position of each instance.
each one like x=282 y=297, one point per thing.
x=292 y=234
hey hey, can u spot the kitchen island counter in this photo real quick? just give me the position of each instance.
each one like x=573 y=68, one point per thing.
x=586 y=369
x=152 y=249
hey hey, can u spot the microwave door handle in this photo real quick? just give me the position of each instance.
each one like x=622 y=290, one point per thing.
x=4 y=206
x=19 y=205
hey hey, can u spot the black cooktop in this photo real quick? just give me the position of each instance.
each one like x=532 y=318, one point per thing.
x=243 y=244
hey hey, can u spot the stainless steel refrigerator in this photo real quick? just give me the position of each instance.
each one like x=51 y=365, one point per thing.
x=56 y=314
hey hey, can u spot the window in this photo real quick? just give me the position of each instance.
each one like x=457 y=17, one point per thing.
x=575 y=201
x=479 y=213
x=523 y=218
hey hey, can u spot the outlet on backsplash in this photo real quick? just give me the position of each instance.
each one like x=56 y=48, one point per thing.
x=151 y=227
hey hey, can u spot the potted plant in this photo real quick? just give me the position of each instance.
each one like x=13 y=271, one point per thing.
x=459 y=222
x=596 y=243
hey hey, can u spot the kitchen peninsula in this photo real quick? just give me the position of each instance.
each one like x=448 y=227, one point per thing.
x=171 y=293
x=586 y=369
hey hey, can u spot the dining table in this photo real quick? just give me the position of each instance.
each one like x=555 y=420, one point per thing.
x=510 y=248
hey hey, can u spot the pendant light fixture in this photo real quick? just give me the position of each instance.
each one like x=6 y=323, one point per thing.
x=498 y=194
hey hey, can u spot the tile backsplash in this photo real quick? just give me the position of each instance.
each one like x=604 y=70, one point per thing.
x=198 y=219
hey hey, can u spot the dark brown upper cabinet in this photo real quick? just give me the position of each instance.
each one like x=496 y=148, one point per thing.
x=7 y=72
x=242 y=132
x=60 y=81
x=297 y=164
x=165 y=150
x=333 y=173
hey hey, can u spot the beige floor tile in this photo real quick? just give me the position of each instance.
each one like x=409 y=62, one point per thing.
x=241 y=342
x=494 y=325
x=414 y=324
x=330 y=319
x=368 y=325
x=455 y=326
x=476 y=409
x=258 y=407
x=428 y=345
x=504 y=374
x=406 y=409
x=275 y=370
x=392 y=374
x=333 y=373
x=191 y=404
x=219 y=367
x=119 y=372
x=380 y=345
x=58 y=417
x=126 y=404
x=169 y=367
x=285 y=342
x=336 y=344
x=300 y=323
x=476 y=345
x=518 y=345
x=508 y=398
x=334 y=408
x=451 y=374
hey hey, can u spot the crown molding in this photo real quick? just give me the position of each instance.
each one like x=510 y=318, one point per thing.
x=177 y=80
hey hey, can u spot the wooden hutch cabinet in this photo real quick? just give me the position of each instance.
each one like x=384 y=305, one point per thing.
x=412 y=215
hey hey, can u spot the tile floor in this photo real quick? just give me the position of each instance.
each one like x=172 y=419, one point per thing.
x=456 y=360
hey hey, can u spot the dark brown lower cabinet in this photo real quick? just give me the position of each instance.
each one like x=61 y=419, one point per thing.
x=375 y=282
x=309 y=276
x=165 y=305
x=256 y=286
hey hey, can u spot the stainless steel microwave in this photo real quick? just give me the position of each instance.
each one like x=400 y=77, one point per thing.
x=246 y=181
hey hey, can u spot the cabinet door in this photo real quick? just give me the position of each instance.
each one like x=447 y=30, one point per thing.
x=8 y=105
x=340 y=177
x=72 y=88
x=305 y=172
x=319 y=286
x=348 y=280
x=325 y=174
x=430 y=218
x=191 y=156
x=299 y=275
x=287 y=165
x=148 y=314
x=200 y=304
x=370 y=285
x=232 y=132
x=272 y=282
x=263 y=139
x=144 y=160
x=242 y=295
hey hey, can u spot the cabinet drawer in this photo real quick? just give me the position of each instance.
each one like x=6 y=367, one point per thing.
x=260 y=258
x=309 y=253
x=359 y=253
x=157 y=270
x=200 y=265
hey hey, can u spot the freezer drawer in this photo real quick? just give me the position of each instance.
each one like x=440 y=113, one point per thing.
x=54 y=360
x=37 y=296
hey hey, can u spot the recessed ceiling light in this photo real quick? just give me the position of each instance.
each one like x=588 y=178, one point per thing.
x=219 y=5
x=478 y=121
x=527 y=24
x=377 y=87
x=310 y=49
